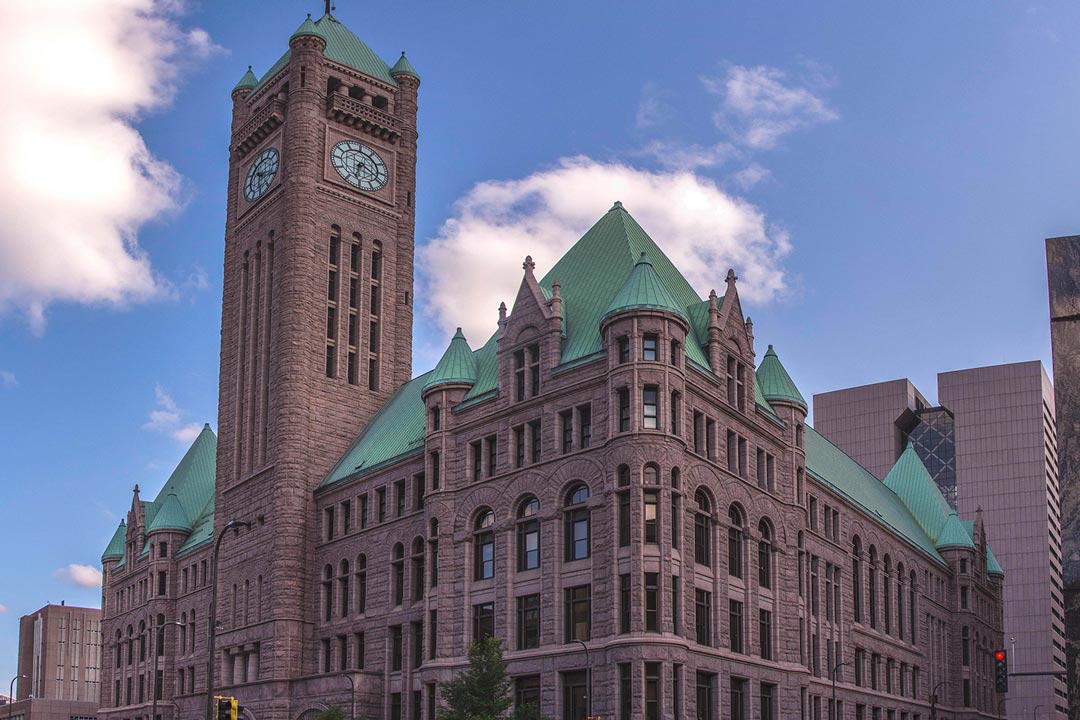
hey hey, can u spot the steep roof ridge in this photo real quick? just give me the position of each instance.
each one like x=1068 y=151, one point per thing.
x=194 y=478
x=911 y=482
x=775 y=382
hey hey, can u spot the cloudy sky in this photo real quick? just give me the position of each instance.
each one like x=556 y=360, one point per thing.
x=881 y=179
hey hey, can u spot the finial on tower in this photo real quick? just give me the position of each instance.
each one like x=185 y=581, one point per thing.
x=731 y=276
x=528 y=266
x=328 y=7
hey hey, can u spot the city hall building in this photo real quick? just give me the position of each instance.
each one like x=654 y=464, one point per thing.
x=618 y=482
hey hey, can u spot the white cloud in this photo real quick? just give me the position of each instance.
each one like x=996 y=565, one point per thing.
x=700 y=227
x=3 y=608
x=750 y=176
x=689 y=157
x=86 y=576
x=168 y=419
x=77 y=181
x=761 y=104
x=7 y=378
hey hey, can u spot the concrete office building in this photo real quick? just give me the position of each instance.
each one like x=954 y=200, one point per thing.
x=991 y=443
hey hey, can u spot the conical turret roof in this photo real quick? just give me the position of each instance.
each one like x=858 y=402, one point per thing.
x=115 y=550
x=306 y=28
x=456 y=366
x=953 y=535
x=247 y=81
x=774 y=381
x=643 y=289
x=404 y=67
x=993 y=567
x=171 y=516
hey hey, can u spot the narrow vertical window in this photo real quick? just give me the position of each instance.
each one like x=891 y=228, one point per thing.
x=651 y=500
x=484 y=547
x=676 y=409
x=652 y=602
x=584 y=414
x=624 y=350
x=649 y=407
x=624 y=410
x=648 y=347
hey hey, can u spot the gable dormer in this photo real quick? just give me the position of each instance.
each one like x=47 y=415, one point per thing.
x=731 y=345
x=530 y=337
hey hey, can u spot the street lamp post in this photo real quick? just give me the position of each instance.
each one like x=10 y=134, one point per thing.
x=835 y=668
x=588 y=678
x=352 y=694
x=232 y=524
x=933 y=699
x=158 y=650
x=11 y=693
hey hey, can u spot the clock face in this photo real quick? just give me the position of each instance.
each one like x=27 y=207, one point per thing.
x=261 y=174
x=359 y=165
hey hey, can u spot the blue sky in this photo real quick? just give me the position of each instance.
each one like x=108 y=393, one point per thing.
x=881 y=176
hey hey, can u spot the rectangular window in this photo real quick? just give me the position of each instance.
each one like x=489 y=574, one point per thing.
x=732 y=451
x=710 y=439
x=676 y=519
x=652 y=691
x=584 y=426
x=649 y=407
x=534 y=433
x=399 y=497
x=343 y=652
x=534 y=369
x=624 y=604
x=436 y=418
x=624 y=410
x=676 y=410
x=477 y=451
x=735 y=625
x=706 y=696
x=703 y=616
x=624 y=518
x=519 y=446
x=652 y=507
x=492 y=454
x=578 y=613
x=419 y=490
x=575 y=695
x=652 y=602
x=395 y=647
x=418 y=644
x=519 y=375
x=528 y=609
x=624 y=350
x=739 y=709
x=676 y=608
x=380 y=495
x=395 y=706
x=436 y=470
x=433 y=633
x=346 y=517
x=328 y=523
x=813 y=512
x=742 y=457
x=363 y=511
x=527 y=695
x=765 y=634
x=648 y=348
x=566 y=422
x=699 y=433
x=626 y=688
x=361 y=650
x=483 y=621
x=767 y=701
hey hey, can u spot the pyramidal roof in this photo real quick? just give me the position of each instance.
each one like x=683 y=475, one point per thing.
x=115 y=550
x=456 y=366
x=342 y=47
x=953 y=534
x=643 y=289
x=774 y=381
x=913 y=484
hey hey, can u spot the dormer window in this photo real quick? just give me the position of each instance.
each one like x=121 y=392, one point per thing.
x=527 y=372
x=736 y=377
x=648 y=348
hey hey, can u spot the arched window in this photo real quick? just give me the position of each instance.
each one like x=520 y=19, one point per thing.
x=911 y=606
x=736 y=525
x=886 y=593
x=856 y=577
x=343 y=587
x=623 y=475
x=576 y=523
x=183 y=633
x=484 y=546
x=361 y=584
x=399 y=574
x=651 y=475
x=328 y=591
x=900 y=600
x=764 y=554
x=142 y=641
x=433 y=547
x=703 y=529
x=528 y=534
x=873 y=586
x=130 y=645
x=418 y=569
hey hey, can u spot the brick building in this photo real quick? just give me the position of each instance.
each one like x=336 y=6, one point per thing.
x=610 y=483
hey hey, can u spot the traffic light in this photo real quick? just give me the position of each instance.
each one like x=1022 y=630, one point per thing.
x=227 y=708
x=1001 y=671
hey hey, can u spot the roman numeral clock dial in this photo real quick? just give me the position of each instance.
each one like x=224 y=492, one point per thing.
x=359 y=165
x=260 y=175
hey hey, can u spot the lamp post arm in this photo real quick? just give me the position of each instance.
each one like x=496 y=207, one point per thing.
x=213 y=614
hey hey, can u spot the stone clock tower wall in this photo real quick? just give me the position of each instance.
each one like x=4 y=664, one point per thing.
x=317 y=292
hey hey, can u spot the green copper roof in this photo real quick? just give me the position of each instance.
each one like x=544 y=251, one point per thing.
x=774 y=381
x=953 y=534
x=643 y=289
x=202 y=534
x=396 y=430
x=404 y=67
x=992 y=565
x=248 y=81
x=342 y=47
x=171 y=516
x=913 y=484
x=830 y=465
x=456 y=365
x=115 y=550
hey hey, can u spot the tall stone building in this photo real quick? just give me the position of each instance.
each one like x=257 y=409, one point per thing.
x=60 y=664
x=992 y=445
x=611 y=483
x=1063 y=280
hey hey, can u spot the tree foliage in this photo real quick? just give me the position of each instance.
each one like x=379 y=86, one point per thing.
x=483 y=691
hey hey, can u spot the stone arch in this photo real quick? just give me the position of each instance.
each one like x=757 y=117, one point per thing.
x=310 y=711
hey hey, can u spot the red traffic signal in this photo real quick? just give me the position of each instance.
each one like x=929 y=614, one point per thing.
x=999 y=655
x=1001 y=671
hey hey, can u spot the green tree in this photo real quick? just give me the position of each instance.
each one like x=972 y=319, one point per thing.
x=483 y=691
x=335 y=712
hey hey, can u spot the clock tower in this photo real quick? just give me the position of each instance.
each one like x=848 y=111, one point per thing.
x=316 y=328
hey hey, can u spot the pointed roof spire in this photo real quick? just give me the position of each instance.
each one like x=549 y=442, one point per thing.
x=913 y=484
x=643 y=290
x=953 y=535
x=115 y=549
x=306 y=28
x=247 y=82
x=171 y=516
x=456 y=366
x=404 y=67
x=774 y=381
